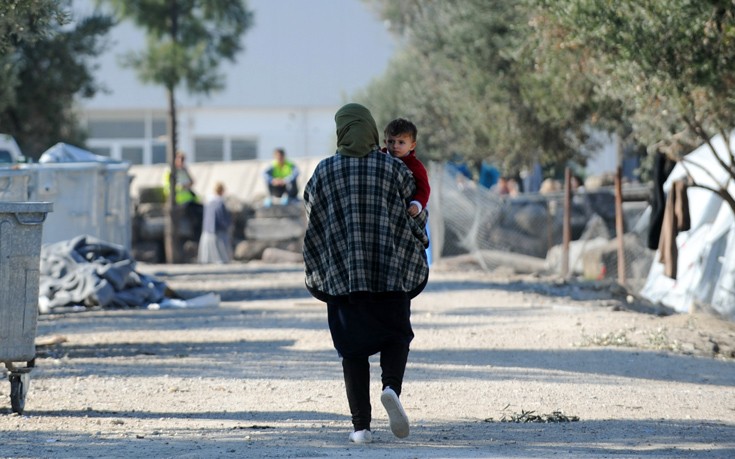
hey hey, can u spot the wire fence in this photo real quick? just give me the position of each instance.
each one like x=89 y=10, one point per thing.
x=524 y=232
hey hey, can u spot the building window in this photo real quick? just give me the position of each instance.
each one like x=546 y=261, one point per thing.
x=158 y=154
x=209 y=149
x=243 y=149
x=116 y=129
x=134 y=155
x=158 y=128
x=102 y=151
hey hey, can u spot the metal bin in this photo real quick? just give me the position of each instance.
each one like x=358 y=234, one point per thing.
x=21 y=225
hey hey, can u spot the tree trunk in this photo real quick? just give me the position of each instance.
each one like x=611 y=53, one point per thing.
x=172 y=243
x=566 y=224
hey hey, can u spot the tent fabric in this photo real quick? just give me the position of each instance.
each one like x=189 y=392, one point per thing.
x=705 y=267
x=66 y=153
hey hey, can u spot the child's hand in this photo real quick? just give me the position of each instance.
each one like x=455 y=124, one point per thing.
x=413 y=210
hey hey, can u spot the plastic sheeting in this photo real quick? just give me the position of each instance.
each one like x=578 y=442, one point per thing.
x=86 y=271
x=66 y=153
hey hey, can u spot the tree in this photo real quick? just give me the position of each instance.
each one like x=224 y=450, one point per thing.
x=186 y=41
x=48 y=73
x=14 y=15
x=671 y=62
x=45 y=65
x=471 y=76
x=27 y=20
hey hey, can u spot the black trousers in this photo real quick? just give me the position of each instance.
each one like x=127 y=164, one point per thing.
x=363 y=328
x=277 y=191
x=356 y=370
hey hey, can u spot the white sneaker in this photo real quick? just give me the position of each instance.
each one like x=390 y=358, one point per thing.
x=398 y=418
x=361 y=436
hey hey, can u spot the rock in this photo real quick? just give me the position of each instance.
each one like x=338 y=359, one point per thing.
x=148 y=251
x=275 y=255
x=274 y=229
x=253 y=250
x=295 y=211
x=151 y=228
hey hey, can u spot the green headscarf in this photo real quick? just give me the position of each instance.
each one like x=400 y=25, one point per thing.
x=357 y=134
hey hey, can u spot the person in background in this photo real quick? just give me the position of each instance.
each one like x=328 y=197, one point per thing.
x=502 y=187
x=184 y=181
x=513 y=188
x=400 y=142
x=577 y=184
x=215 y=244
x=185 y=195
x=280 y=177
x=364 y=256
x=489 y=175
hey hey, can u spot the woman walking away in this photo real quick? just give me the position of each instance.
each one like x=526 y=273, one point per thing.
x=364 y=256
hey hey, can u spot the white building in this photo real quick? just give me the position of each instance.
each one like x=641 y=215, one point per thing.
x=212 y=134
x=297 y=68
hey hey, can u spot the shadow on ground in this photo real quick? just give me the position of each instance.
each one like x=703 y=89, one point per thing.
x=314 y=434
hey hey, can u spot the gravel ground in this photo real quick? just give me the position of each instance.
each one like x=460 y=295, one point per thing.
x=258 y=377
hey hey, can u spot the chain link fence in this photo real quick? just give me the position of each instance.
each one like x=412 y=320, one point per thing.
x=524 y=233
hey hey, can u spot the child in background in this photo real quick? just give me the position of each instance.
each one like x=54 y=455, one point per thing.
x=215 y=244
x=400 y=142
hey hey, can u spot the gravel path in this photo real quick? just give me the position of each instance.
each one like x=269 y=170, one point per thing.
x=258 y=377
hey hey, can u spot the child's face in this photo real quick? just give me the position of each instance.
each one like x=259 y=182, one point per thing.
x=399 y=145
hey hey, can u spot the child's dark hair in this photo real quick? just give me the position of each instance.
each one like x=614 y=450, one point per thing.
x=401 y=126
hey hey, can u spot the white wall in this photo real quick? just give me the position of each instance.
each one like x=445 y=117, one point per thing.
x=301 y=131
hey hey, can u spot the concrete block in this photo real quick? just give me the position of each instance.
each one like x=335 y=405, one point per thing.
x=274 y=229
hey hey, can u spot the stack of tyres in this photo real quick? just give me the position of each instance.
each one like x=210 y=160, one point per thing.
x=21 y=225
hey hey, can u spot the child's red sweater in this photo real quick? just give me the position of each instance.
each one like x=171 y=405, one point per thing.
x=419 y=175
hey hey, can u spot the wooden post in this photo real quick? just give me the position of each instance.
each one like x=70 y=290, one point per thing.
x=567 y=224
x=619 y=225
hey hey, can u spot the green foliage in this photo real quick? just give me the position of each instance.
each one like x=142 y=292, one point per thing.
x=515 y=82
x=45 y=68
x=186 y=40
x=28 y=20
x=473 y=79
x=670 y=63
x=21 y=21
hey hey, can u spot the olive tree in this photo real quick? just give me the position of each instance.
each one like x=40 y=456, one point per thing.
x=669 y=62
x=472 y=75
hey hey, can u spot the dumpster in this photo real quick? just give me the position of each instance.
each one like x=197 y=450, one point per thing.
x=21 y=225
x=14 y=184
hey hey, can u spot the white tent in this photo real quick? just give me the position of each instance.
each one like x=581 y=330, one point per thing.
x=706 y=261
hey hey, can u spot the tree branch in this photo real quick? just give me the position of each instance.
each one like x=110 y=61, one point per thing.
x=695 y=126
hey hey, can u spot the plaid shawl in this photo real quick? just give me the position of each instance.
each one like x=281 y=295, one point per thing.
x=359 y=237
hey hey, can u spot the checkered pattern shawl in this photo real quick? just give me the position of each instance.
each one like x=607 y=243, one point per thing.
x=359 y=237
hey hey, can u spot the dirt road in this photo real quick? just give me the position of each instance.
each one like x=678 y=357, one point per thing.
x=257 y=376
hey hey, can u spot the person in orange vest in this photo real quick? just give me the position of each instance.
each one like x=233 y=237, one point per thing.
x=280 y=177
